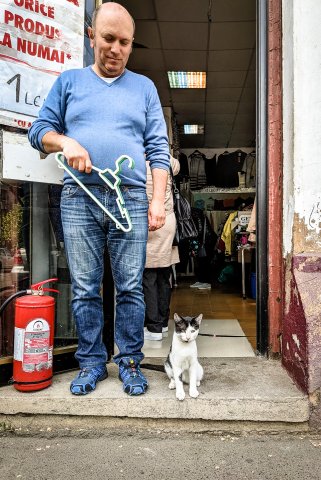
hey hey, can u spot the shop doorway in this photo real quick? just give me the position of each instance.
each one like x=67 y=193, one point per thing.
x=226 y=40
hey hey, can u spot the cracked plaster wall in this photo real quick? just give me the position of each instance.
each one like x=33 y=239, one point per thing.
x=301 y=332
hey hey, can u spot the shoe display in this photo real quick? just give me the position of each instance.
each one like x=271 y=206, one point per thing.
x=134 y=382
x=152 y=335
x=87 y=379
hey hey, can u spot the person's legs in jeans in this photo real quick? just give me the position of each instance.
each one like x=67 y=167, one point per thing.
x=150 y=285
x=85 y=238
x=128 y=255
x=164 y=295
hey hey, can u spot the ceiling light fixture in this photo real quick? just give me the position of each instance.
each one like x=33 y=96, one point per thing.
x=193 y=129
x=187 y=79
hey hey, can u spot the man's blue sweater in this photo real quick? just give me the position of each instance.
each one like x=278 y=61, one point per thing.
x=124 y=117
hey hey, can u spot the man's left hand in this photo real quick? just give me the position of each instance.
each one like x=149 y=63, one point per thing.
x=156 y=215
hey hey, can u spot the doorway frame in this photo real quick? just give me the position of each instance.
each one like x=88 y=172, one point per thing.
x=262 y=330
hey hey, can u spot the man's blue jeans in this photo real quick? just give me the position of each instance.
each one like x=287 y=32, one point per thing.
x=87 y=232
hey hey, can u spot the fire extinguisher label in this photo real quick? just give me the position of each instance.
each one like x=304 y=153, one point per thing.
x=37 y=354
x=19 y=334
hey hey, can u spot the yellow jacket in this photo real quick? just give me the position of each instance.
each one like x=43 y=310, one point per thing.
x=227 y=233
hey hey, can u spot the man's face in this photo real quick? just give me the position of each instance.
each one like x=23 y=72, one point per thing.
x=111 y=40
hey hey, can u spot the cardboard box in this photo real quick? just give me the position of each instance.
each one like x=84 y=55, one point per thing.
x=244 y=217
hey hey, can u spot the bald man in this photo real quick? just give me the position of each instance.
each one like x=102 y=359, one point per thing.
x=94 y=115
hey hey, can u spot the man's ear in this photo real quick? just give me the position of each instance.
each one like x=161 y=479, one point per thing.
x=91 y=35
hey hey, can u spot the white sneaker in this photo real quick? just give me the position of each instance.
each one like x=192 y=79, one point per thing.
x=205 y=286
x=152 y=335
x=165 y=332
x=196 y=285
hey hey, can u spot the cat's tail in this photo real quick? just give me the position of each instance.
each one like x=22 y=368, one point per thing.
x=150 y=366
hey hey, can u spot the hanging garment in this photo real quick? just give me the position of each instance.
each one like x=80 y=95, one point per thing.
x=249 y=168
x=210 y=170
x=197 y=170
x=202 y=249
x=217 y=218
x=252 y=224
x=184 y=170
x=229 y=203
x=227 y=233
x=227 y=168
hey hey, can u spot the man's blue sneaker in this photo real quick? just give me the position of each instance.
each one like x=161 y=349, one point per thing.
x=134 y=382
x=87 y=379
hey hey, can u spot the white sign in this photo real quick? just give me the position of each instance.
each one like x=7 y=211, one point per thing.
x=38 y=40
x=23 y=163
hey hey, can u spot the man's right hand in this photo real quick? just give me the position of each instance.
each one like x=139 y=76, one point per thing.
x=77 y=156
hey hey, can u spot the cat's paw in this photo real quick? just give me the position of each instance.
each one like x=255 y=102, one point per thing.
x=172 y=385
x=180 y=395
x=194 y=393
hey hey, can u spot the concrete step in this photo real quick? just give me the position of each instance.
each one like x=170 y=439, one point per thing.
x=234 y=390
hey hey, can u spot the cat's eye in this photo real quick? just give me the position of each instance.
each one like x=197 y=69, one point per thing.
x=192 y=331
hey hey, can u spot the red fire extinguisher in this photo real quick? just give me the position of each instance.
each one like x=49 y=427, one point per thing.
x=33 y=338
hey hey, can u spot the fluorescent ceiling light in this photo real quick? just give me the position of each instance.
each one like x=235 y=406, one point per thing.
x=187 y=79
x=193 y=129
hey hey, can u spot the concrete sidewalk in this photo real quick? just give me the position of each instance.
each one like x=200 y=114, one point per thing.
x=159 y=456
x=239 y=390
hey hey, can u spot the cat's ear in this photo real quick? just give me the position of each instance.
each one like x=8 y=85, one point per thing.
x=198 y=319
x=177 y=318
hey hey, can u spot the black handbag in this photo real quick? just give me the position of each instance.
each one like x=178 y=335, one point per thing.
x=185 y=226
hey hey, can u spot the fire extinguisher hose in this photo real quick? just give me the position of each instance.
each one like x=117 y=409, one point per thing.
x=12 y=297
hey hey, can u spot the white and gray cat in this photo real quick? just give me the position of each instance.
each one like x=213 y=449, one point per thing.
x=182 y=365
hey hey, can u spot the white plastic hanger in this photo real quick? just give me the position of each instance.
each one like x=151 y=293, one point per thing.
x=112 y=185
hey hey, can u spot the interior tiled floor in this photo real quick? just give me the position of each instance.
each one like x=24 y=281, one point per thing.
x=224 y=313
x=219 y=302
x=229 y=341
